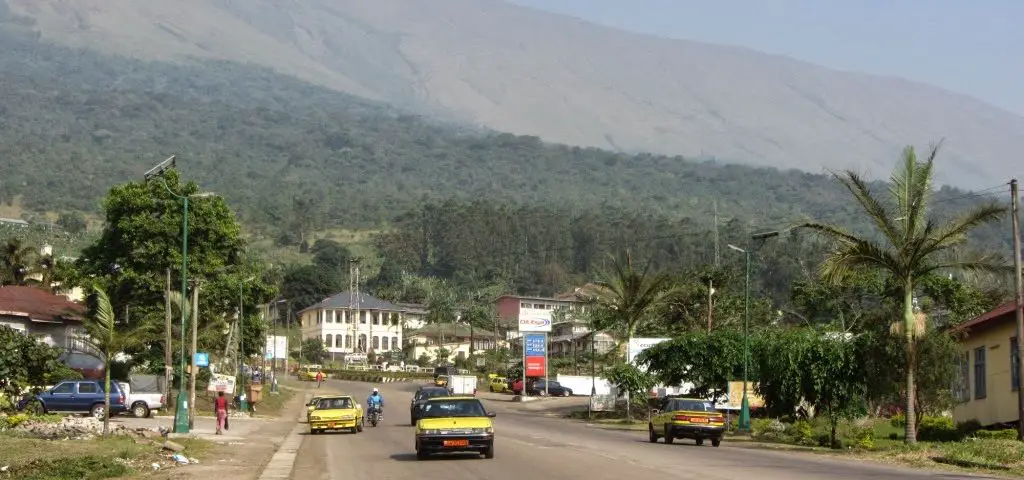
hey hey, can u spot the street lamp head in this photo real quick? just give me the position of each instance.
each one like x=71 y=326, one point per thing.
x=765 y=235
x=160 y=168
x=738 y=249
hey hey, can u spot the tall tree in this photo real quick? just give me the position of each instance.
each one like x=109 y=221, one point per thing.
x=17 y=260
x=109 y=339
x=630 y=296
x=911 y=246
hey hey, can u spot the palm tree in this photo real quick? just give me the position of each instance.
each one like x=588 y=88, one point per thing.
x=104 y=336
x=16 y=259
x=629 y=296
x=911 y=246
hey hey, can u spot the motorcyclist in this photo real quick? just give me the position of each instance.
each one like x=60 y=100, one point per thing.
x=376 y=402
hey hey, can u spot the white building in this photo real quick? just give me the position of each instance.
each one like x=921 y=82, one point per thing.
x=347 y=324
x=457 y=339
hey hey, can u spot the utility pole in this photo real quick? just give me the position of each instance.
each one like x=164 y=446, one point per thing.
x=195 y=370
x=711 y=282
x=168 y=340
x=1015 y=217
x=718 y=254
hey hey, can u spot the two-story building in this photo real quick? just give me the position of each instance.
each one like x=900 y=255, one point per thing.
x=348 y=324
x=51 y=319
x=986 y=388
x=456 y=339
x=569 y=329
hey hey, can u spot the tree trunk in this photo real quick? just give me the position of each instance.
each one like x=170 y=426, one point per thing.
x=472 y=338
x=909 y=325
x=629 y=398
x=106 y=397
x=168 y=340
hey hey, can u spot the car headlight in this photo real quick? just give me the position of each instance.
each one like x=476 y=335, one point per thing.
x=314 y=418
x=348 y=417
x=430 y=431
x=479 y=431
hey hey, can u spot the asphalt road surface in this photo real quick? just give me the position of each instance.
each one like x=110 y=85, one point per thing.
x=531 y=446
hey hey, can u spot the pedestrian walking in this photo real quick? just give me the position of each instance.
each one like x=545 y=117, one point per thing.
x=319 y=378
x=220 y=406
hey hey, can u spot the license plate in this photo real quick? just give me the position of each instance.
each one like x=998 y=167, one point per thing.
x=456 y=443
x=330 y=425
x=699 y=420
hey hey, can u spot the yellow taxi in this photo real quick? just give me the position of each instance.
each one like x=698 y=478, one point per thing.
x=441 y=381
x=308 y=372
x=336 y=412
x=691 y=418
x=454 y=424
x=498 y=384
x=312 y=406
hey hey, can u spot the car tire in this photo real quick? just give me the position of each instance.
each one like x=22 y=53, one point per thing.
x=359 y=426
x=567 y=393
x=489 y=453
x=97 y=411
x=422 y=454
x=700 y=441
x=668 y=438
x=716 y=442
x=651 y=436
x=140 y=410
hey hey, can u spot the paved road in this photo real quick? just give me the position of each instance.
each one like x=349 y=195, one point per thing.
x=531 y=445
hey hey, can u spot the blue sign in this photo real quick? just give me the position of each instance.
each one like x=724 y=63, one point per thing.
x=202 y=359
x=536 y=344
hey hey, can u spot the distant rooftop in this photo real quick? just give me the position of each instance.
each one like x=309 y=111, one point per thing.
x=343 y=300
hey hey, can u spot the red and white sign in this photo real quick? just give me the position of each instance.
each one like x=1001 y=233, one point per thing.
x=535 y=367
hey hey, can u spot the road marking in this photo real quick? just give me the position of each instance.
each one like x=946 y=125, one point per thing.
x=281 y=464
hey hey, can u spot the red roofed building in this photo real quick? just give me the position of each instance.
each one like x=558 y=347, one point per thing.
x=52 y=319
x=987 y=386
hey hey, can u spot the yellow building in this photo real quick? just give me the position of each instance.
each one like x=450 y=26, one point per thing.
x=986 y=390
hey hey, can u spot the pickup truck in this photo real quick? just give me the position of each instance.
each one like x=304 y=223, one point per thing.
x=81 y=396
x=143 y=394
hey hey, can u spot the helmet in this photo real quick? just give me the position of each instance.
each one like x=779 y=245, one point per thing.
x=375 y=390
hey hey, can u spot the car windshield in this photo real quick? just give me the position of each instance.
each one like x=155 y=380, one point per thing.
x=334 y=403
x=454 y=408
x=434 y=392
x=691 y=406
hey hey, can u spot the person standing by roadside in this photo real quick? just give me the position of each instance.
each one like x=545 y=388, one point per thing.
x=319 y=378
x=220 y=406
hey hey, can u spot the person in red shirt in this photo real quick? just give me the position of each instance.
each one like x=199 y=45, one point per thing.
x=220 y=405
x=319 y=379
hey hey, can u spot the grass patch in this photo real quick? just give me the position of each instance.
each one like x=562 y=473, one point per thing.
x=31 y=458
x=270 y=405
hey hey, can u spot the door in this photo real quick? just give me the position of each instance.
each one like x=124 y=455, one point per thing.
x=88 y=394
x=662 y=416
x=61 y=397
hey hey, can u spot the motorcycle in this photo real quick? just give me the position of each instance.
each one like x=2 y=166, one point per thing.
x=376 y=416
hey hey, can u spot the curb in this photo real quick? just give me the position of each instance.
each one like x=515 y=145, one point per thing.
x=281 y=464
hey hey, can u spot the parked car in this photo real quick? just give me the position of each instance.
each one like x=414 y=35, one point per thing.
x=536 y=387
x=140 y=402
x=83 y=397
x=420 y=398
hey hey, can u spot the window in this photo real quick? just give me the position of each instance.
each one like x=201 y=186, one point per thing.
x=362 y=317
x=329 y=341
x=88 y=387
x=979 y=373
x=1014 y=364
x=376 y=342
x=454 y=408
x=384 y=343
x=394 y=343
x=64 y=389
x=691 y=406
x=962 y=384
x=337 y=341
x=348 y=341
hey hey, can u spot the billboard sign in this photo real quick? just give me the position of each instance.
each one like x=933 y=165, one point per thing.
x=535 y=344
x=735 y=396
x=281 y=344
x=534 y=324
x=637 y=345
x=535 y=366
x=221 y=383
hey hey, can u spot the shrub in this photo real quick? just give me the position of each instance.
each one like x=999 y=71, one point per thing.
x=863 y=435
x=824 y=439
x=898 y=421
x=12 y=421
x=937 y=429
x=767 y=429
x=1005 y=434
x=968 y=428
x=801 y=432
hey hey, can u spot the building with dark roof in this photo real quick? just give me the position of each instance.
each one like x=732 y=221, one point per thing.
x=349 y=324
x=51 y=319
x=986 y=390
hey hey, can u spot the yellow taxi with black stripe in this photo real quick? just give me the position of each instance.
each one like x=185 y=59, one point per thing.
x=336 y=412
x=691 y=418
x=454 y=424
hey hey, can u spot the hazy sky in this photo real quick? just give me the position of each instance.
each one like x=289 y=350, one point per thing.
x=970 y=46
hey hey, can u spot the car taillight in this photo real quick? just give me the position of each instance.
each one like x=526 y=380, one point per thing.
x=122 y=398
x=163 y=400
x=718 y=419
x=681 y=418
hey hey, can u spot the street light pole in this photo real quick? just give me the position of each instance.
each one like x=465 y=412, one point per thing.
x=745 y=403
x=240 y=354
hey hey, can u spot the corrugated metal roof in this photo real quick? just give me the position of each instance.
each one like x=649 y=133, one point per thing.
x=1005 y=309
x=343 y=300
x=38 y=304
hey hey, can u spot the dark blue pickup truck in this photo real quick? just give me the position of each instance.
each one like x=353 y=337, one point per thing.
x=81 y=396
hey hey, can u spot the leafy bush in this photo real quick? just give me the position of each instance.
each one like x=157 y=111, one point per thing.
x=898 y=421
x=767 y=429
x=862 y=433
x=801 y=432
x=1005 y=434
x=937 y=429
x=968 y=428
x=11 y=421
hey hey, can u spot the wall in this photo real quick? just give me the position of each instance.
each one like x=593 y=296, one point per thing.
x=1000 y=402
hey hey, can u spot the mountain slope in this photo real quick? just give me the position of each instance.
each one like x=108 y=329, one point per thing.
x=517 y=70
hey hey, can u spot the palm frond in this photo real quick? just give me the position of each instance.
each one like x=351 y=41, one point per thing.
x=955 y=232
x=877 y=213
x=983 y=263
x=849 y=258
x=833 y=232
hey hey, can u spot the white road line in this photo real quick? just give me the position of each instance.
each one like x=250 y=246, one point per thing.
x=283 y=461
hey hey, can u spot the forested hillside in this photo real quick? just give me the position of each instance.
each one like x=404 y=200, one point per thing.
x=75 y=123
